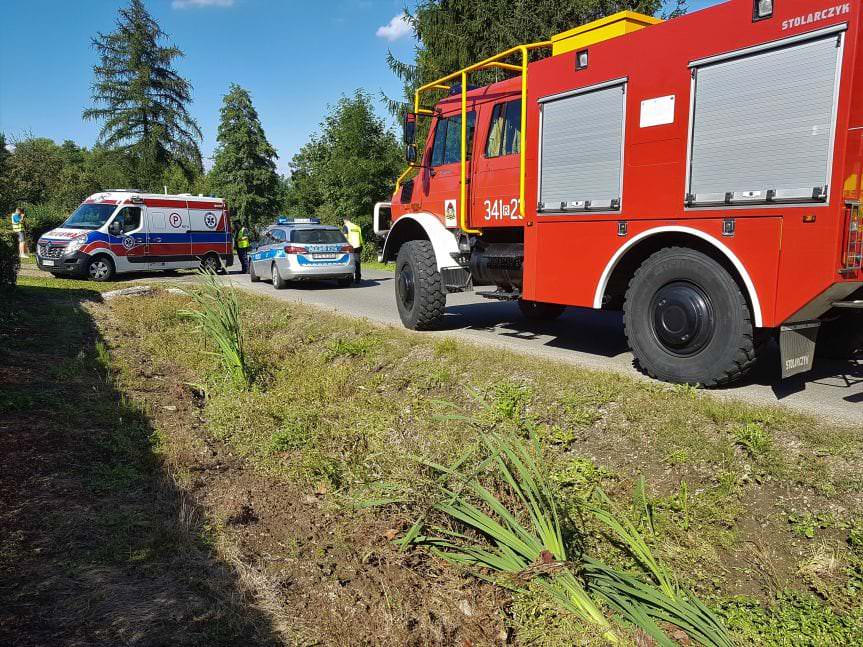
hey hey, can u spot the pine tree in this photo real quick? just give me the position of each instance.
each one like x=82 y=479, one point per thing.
x=140 y=98
x=244 y=172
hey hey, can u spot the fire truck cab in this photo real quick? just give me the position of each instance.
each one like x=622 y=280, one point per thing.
x=701 y=174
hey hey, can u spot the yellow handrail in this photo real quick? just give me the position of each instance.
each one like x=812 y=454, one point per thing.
x=440 y=84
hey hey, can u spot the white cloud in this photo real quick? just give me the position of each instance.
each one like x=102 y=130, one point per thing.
x=397 y=28
x=198 y=4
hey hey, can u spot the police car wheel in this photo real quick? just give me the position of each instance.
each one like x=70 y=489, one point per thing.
x=419 y=291
x=253 y=276
x=540 y=311
x=278 y=281
x=687 y=320
x=100 y=268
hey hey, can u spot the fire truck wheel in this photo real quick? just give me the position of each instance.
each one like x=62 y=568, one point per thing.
x=840 y=337
x=100 y=268
x=419 y=292
x=539 y=310
x=278 y=282
x=687 y=321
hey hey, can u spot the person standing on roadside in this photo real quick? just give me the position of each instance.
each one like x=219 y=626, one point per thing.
x=354 y=234
x=19 y=228
x=243 y=245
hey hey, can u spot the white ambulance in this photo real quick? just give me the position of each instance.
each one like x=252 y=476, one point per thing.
x=124 y=230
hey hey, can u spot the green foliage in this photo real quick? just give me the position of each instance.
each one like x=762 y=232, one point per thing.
x=347 y=167
x=218 y=318
x=792 y=620
x=9 y=261
x=141 y=100
x=456 y=33
x=244 y=172
x=520 y=533
x=41 y=218
x=754 y=438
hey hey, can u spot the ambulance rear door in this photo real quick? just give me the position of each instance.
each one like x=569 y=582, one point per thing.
x=209 y=229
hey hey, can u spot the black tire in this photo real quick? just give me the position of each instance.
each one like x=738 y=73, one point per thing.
x=840 y=335
x=278 y=282
x=253 y=276
x=211 y=263
x=419 y=292
x=345 y=283
x=687 y=320
x=539 y=311
x=100 y=269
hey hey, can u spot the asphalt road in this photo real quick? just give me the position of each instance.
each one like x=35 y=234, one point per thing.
x=581 y=336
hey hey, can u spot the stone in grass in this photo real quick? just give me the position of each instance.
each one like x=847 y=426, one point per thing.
x=134 y=291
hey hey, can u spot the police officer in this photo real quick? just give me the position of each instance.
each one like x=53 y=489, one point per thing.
x=354 y=234
x=243 y=245
x=18 y=228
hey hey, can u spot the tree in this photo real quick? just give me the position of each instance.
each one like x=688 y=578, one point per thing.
x=141 y=100
x=5 y=197
x=453 y=34
x=244 y=172
x=348 y=167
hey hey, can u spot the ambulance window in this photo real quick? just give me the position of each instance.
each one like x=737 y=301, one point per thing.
x=503 y=134
x=129 y=219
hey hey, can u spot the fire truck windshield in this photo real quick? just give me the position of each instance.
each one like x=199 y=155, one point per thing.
x=90 y=216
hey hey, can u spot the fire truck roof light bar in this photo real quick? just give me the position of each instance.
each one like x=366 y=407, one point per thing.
x=490 y=62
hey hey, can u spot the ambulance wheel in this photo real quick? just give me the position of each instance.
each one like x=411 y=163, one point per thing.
x=100 y=268
x=278 y=282
x=253 y=276
x=211 y=263
x=840 y=336
x=687 y=320
x=419 y=292
x=539 y=311
x=345 y=283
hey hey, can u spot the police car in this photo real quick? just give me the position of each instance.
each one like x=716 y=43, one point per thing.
x=301 y=249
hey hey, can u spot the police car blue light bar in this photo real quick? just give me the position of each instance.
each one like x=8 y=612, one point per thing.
x=298 y=221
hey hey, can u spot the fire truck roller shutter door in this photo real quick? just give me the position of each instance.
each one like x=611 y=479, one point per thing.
x=764 y=122
x=581 y=149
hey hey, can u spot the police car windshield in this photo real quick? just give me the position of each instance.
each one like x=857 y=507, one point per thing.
x=317 y=236
x=90 y=216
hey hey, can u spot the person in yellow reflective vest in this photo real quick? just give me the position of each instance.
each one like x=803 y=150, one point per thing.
x=354 y=234
x=243 y=245
x=18 y=228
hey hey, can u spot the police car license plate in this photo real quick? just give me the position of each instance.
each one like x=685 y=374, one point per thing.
x=323 y=257
x=45 y=261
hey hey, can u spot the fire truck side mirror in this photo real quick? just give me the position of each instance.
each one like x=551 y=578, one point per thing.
x=411 y=153
x=410 y=129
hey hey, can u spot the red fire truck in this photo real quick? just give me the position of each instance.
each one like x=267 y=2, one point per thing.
x=700 y=174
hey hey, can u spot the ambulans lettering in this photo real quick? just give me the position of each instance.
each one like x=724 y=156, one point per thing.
x=501 y=209
x=824 y=14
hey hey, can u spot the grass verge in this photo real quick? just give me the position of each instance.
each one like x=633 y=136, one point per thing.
x=755 y=509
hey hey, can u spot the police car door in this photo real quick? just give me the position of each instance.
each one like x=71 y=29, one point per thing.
x=260 y=255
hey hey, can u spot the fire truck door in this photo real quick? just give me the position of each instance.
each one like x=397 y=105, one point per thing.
x=494 y=190
x=441 y=176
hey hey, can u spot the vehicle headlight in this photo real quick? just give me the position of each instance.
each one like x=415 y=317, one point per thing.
x=75 y=244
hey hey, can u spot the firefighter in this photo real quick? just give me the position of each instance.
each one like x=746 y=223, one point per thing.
x=18 y=227
x=243 y=245
x=354 y=234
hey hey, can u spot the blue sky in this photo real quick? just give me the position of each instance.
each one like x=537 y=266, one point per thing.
x=294 y=56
